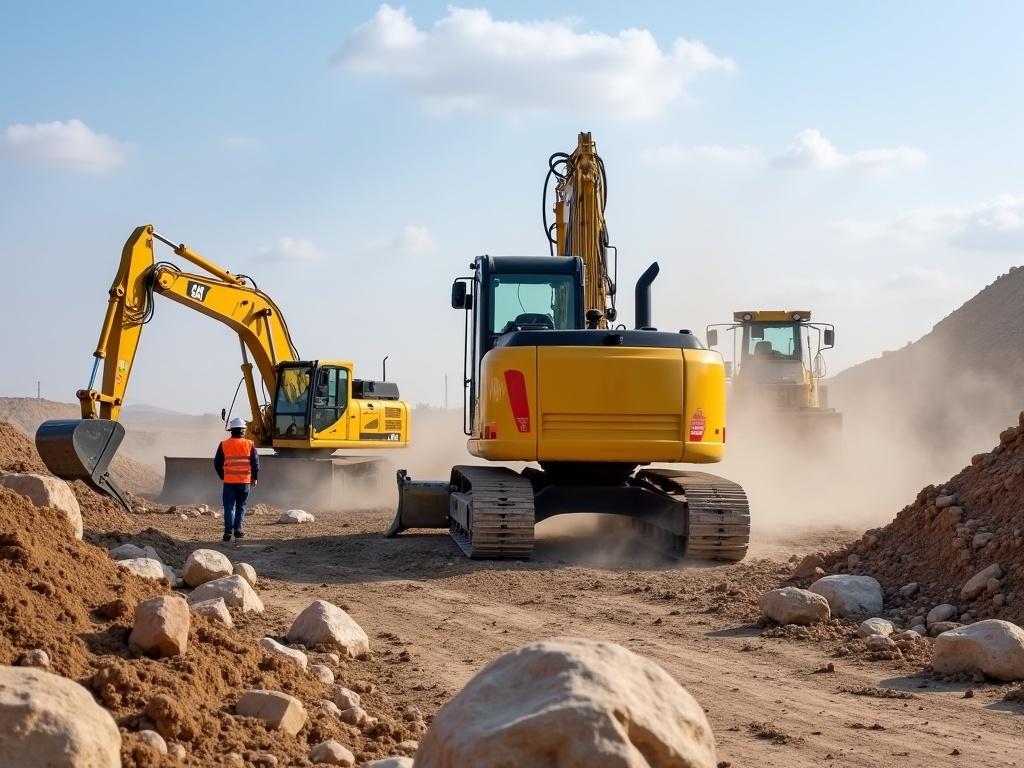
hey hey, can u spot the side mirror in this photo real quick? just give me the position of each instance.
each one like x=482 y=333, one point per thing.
x=460 y=298
x=830 y=337
x=712 y=337
x=223 y=414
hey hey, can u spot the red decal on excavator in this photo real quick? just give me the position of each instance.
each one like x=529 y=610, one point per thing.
x=697 y=425
x=515 y=382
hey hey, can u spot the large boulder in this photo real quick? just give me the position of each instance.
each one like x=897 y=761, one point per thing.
x=148 y=568
x=205 y=565
x=278 y=710
x=247 y=572
x=47 y=721
x=790 y=605
x=992 y=647
x=875 y=626
x=215 y=609
x=235 y=591
x=161 y=626
x=978 y=583
x=325 y=624
x=293 y=516
x=570 y=702
x=331 y=753
x=296 y=657
x=129 y=551
x=940 y=613
x=48 y=491
x=850 y=595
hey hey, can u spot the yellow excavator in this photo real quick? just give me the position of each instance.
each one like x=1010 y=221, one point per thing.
x=550 y=383
x=315 y=406
x=776 y=368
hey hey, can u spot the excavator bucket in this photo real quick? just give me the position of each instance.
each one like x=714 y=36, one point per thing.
x=422 y=504
x=82 y=449
x=334 y=482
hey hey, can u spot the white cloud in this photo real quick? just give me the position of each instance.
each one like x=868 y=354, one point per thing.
x=995 y=225
x=291 y=250
x=72 y=145
x=812 y=151
x=470 y=60
x=674 y=154
x=411 y=240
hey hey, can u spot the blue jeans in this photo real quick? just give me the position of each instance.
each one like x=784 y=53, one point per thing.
x=235 y=495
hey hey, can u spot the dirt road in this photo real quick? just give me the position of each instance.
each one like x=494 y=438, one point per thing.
x=434 y=619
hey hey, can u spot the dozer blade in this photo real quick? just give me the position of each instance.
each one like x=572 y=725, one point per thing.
x=82 y=449
x=422 y=504
x=347 y=482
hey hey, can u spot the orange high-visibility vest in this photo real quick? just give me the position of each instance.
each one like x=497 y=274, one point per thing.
x=237 y=464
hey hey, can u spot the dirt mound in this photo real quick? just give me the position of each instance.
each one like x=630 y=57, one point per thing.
x=949 y=534
x=70 y=599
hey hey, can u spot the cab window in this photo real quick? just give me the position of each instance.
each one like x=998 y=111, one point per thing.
x=291 y=410
x=773 y=341
x=531 y=302
x=330 y=397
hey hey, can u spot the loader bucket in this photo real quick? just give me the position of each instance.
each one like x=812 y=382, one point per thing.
x=422 y=504
x=82 y=449
x=286 y=482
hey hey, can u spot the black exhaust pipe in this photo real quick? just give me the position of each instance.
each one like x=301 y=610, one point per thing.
x=643 y=297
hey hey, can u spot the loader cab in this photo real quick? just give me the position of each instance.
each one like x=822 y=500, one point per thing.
x=310 y=399
x=510 y=295
x=775 y=346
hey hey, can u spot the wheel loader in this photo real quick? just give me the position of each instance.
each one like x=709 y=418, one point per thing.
x=776 y=368
x=588 y=404
x=315 y=407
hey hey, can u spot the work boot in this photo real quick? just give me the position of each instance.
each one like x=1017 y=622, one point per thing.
x=239 y=535
x=227 y=537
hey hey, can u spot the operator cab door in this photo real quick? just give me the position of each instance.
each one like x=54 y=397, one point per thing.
x=330 y=403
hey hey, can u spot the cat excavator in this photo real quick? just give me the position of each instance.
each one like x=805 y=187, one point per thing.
x=589 y=405
x=315 y=406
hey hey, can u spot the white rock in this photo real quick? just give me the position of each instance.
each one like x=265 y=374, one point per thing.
x=329 y=707
x=48 y=721
x=939 y=613
x=146 y=567
x=322 y=673
x=48 y=491
x=331 y=753
x=37 y=657
x=390 y=762
x=909 y=590
x=791 y=605
x=176 y=752
x=909 y=634
x=215 y=609
x=978 y=583
x=298 y=658
x=570 y=702
x=296 y=516
x=161 y=626
x=278 y=710
x=875 y=626
x=247 y=572
x=993 y=647
x=356 y=716
x=129 y=551
x=153 y=739
x=205 y=565
x=234 y=589
x=878 y=643
x=850 y=595
x=344 y=698
x=323 y=623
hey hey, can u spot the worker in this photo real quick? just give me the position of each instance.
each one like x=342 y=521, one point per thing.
x=238 y=465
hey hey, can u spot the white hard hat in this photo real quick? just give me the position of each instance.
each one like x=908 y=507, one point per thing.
x=236 y=423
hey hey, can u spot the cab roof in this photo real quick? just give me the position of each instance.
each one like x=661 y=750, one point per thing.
x=771 y=316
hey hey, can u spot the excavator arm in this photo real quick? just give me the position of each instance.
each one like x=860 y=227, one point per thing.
x=580 y=228
x=83 y=449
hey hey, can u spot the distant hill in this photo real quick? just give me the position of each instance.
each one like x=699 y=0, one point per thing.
x=947 y=394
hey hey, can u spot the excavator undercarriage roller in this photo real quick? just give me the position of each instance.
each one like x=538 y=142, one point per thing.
x=491 y=511
x=82 y=449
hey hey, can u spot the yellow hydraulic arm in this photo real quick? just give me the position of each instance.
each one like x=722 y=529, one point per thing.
x=232 y=299
x=580 y=228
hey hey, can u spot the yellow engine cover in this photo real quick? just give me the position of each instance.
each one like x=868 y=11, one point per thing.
x=621 y=404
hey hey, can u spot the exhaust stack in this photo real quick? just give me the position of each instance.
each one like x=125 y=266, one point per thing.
x=643 y=297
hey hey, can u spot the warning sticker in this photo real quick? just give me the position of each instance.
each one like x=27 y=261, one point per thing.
x=697 y=425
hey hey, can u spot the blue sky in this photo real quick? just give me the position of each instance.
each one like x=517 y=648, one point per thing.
x=861 y=161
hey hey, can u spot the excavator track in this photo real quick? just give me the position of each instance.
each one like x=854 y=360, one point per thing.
x=492 y=512
x=718 y=513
